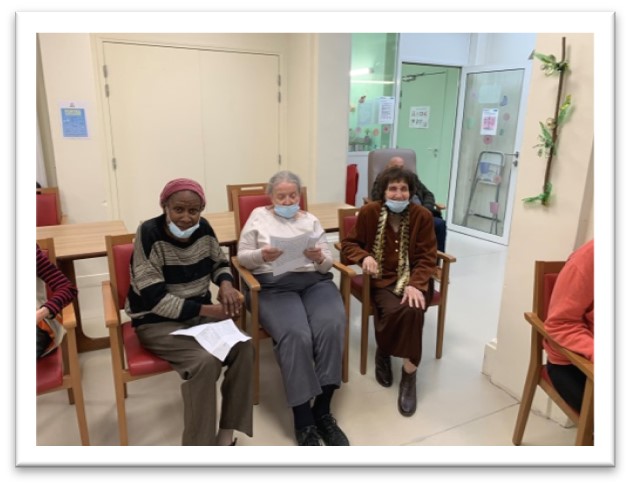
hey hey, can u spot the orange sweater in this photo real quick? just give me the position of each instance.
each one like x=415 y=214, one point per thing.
x=570 y=318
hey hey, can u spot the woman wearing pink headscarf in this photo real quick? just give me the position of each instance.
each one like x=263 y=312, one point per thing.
x=176 y=257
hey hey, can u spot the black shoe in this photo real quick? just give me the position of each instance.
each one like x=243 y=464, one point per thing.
x=330 y=431
x=383 y=368
x=308 y=436
x=407 y=393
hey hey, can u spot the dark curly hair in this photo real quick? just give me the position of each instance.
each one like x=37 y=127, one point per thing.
x=392 y=174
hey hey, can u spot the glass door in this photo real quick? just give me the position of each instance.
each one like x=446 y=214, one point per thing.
x=488 y=134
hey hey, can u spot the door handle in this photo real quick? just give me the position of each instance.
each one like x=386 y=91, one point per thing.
x=434 y=150
x=516 y=157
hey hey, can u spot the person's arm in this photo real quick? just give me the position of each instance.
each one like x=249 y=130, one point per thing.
x=62 y=290
x=422 y=248
x=321 y=255
x=249 y=253
x=572 y=298
x=426 y=196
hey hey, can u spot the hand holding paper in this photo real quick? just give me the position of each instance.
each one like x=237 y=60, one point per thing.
x=293 y=249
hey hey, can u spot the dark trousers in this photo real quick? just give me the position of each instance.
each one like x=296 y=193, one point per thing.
x=440 y=227
x=569 y=381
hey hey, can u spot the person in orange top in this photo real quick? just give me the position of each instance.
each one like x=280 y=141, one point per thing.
x=570 y=322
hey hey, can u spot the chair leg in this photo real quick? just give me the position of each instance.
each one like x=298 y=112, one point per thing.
x=77 y=390
x=532 y=379
x=347 y=310
x=121 y=394
x=364 y=339
x=585 y=427
x=440 y=330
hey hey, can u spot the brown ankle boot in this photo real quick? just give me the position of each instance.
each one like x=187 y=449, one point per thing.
x=407 y=393
x=383 y=368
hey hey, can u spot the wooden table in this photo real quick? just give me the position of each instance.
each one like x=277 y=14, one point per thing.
x=81 y=241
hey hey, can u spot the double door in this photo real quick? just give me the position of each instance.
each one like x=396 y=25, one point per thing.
x=174 y=112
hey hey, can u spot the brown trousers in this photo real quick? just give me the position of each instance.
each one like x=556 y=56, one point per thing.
x=398 y=328
x=201 y=371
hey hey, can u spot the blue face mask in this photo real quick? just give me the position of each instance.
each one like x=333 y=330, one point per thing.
x=175 y=230
x=286 y=211
x=396 y=206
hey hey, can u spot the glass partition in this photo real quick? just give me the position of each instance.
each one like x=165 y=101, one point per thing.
x=372 y=91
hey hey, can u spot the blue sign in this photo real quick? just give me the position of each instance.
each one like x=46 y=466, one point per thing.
x=73 y=122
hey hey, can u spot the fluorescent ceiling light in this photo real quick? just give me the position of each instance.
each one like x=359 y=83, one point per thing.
x=361 y=71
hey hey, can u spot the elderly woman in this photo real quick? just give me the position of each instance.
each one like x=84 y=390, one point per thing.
x=302 y=310
x=176 y=257
x=395 y=243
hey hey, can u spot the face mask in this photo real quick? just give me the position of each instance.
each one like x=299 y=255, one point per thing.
x=175 y=230
x=286 y=211
x=397 y=206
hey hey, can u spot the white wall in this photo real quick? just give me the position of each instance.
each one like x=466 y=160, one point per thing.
x=554 y=231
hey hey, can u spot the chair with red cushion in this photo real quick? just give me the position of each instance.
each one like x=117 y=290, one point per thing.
x=48 y=207
x=360 y=289
x=352 y=184
x=130 y=361
x=244 y=201
x=60 y=369
x=546 y=273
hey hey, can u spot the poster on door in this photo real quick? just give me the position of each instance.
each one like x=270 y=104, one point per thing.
x=489 y=121
x=419 y=117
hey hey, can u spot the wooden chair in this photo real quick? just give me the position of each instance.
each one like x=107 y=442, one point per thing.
x=130 y=361
x=60 y=369
x=48 y=207
x=378 y=160
x=360 y=289
x=243 y=203
x=546 y=273
x=244 y=187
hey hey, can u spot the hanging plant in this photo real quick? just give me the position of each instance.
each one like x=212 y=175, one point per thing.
x=549 y=132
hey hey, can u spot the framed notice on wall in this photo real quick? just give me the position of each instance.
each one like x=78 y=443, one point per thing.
x=73 y=120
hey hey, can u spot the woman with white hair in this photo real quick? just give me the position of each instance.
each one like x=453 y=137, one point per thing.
x=302 y=310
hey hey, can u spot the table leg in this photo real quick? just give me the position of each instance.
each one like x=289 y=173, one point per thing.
x=84 y=342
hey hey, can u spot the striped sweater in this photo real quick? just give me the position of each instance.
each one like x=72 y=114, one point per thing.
x=60 y=292
x=170 y=279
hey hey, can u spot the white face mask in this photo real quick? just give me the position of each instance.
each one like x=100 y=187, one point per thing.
x=175 y=230
x=396 y=206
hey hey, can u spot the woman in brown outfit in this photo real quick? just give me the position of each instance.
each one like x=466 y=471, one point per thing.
x=395 y=243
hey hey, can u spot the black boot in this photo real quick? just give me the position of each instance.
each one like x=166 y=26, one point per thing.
x=407 y=393
x=383 y=368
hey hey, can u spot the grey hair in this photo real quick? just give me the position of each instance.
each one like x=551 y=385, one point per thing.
x=281 y=177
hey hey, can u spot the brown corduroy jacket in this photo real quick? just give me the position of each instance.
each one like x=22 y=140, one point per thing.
x=421 y=250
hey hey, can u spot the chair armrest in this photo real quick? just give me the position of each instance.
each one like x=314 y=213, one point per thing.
x=347 y=271
x=338 y=246
x=577 y=360
x=246 y=275
x=112 y=313
x=64 y=219
x=444 y=256
x=68 y=317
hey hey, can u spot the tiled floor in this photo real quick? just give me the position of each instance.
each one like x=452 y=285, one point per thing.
x=458 y=406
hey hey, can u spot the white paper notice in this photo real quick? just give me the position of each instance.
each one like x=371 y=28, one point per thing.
x=386 y=110
x=218 y=337
x=293 y=248
x=488 y=124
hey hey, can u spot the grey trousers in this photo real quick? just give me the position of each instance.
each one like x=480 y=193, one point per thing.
x=200 y=371
x=304 y=314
